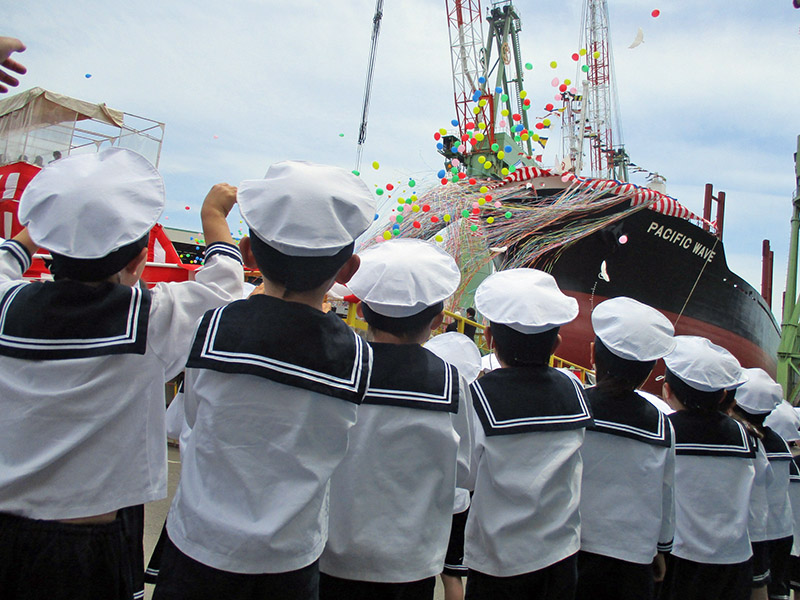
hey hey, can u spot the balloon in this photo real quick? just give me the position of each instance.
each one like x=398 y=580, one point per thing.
x=503 y=123
x=567 y=82
x=623 y=239
x=481 y=126
x=465 y=213
x=481 y=159
x=473 y=227
x=555 y=82
x=562 y=88
x=416 y=224
x=437 y=136
x=495 y=147
x=340 y=135
x=483 y=189
x=426 y=207
x=585 y=68
x=553 y=64
x=454 y=122
x=481 y=79
x=582 y=51
x=443 y=131
x=507 y=215
x=446 y=218
x=490 y=220
x=655 y=13
x=187 y=208
x=440 y=174
x=438 y=238
x=399 y=218
x=576 y=57
x=387 y=235
x=501 y=155
x=379 y=191
x=415 y=208
x=411 y=183
x=376 y=165
x=498 y=90
x=478 y=203
x=440 y=146
x=504 y=98
x=523 y=94
x=508 y=148
x=389 y=187
x=375 y=218
x=89 y=75
x=528 y=66
x=487 y=165
x=545 y=122
x=470 y=125
x=595 y=54
x=356 y=173
x=548 y=107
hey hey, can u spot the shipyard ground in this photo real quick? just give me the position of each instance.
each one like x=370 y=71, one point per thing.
x=156 y=512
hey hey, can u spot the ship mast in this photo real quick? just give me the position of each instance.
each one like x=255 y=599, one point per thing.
x=592 y=118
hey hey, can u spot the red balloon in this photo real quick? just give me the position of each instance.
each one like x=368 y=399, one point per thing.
x=473 y=141
x=434 y=219
x=476 y=211
x=548 y=107
x=462 y=175
x=562 y=88
x=389 y=187
x=540 y=126
x=488 y=197
x=416 y=224
x=527 y=102
x=187 y=208
x=576 y=57
x=472 y=181
x=464 y=137
x=437 y=136
x=470 y=125
x=655 y=13
x=426 y=207
x=516 y=116
x=444 y=180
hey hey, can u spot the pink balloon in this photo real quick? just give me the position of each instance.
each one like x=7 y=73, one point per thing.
x=555 y=82
x=393 y=218
x=503 y=123
x=573 y=90
x=455 y=162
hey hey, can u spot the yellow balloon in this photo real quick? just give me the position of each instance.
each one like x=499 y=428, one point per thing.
x=523 y=93
x=483 y=189
x=446 y=218
x=487 y=165
x=481 y=125
x=595 y=54
x=481 y=159
x=501 y=155
x=582 y=51
x=376 y=165
x=438 y=238
x=504 y=112
x=567 y=82
x=479 y=136
x=481 y=201
x=413 y=197
x=415 y=207
x=546 y=122
x=482 y=103
x=490 y=220
x=535 y=137
x=524 y=137
x=443 y=131
x=504 y=171
x=553 y=65
x=387 y=235
x=476 y=110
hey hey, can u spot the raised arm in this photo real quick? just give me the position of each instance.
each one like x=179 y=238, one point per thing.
x=8 y=46
x=216 y=207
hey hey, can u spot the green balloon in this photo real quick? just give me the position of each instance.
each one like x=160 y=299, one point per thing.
x=495 y=147
x=399 y=218
x=411 y=183
x=379 y=191
x=507 y=215
x=504 y=97
x=465 y=213
x=356 y=173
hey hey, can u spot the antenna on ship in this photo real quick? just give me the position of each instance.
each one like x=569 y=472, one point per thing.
x=592 y=118
x=362 y=131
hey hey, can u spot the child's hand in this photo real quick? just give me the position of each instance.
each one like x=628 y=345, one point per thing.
x=218 y=203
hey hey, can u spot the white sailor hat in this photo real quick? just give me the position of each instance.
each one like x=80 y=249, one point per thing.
x=703 y=365
x=527 y=300
x=785 y=421
x=90 y=205
x=402 y=277
x=760 y=394
x=459 y=351
x=305 y=209
x=632 y=330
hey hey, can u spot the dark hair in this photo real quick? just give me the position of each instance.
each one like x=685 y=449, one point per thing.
x=470 y=312
x=96 y=269
x=617 y=373
x=692 y=398
x=518 y=349
x=403 y=327
x=297 y=273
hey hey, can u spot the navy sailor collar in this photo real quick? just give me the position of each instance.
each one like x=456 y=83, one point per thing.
x=710 y=433
x=775 y=447
x=629 y=415
x=525 y=399
x=411 y=376
x=286 y=342
x=66 y=319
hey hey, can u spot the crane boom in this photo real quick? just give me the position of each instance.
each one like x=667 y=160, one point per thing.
x=362 y=131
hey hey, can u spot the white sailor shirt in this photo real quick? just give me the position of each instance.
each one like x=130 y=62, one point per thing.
x=714 y=475
x=780 y=522
x=271 y=391
x=627 y=504
x=526 y=468
x=759 y=506
x=82 y=372
x=392 y=497
x=794 y=496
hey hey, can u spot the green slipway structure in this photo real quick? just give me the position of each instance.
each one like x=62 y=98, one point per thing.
x=789 y=349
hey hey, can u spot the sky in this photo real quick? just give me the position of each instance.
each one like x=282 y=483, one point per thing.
x=711 y=96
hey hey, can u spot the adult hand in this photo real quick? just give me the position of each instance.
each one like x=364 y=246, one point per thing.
x=8 y=46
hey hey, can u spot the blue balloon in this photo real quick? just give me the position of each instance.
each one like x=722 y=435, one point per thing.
x=395 y=226
x=454 y=122
x=481 y=79
x=440 y=174
x=376 y=217
x=519 y=127
x=507 y=148
x=440 y=145
x=498 y=90
x=476 y=96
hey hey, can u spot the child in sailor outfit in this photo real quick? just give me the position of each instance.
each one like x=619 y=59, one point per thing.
x=714 y=473
x=523 y=530
x=83 y=361
x=627 y=506
x=271 y=392
x=392 y=497
x=772 y=543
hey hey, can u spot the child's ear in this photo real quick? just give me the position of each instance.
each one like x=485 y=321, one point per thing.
x=487 y=334
x=436 y=322
x=348 y=269
x=556 y=344
x=246 y=248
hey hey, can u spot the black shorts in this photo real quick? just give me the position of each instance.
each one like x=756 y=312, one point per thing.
x=760 y=562
x=689 y=580
x=132 y=518
x=63 y=561
x=454 y=559
x=336 y=588
x=555 y=582
x=154 y=564
x=779 y=553
x=180 y=577
x=794 y=573
x=606 y=578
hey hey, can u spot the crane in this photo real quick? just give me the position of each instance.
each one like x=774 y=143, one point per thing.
x=376 y=30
